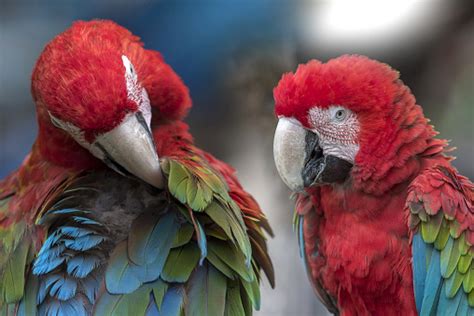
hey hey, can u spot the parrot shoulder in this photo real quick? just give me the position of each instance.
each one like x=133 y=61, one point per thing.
x=441 y=219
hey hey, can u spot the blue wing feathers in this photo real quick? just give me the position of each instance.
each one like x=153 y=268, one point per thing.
x=433 y=285
x=172 y=302
x=64 y=288
x=66 y=264
x=429 y=284
x=152 y=309
x=75 y=232
x=81 y=266
x=90 y=286
x=419 y=269
x=84 y=243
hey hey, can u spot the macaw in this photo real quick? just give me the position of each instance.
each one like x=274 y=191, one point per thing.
x=385 y=222
x=115 y=211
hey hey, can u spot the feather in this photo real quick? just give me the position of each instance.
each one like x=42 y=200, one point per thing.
x=14 y=273
x=81 y=265
x=152 y=309
x=253 y=292
x=202 y=242
x=261 y=256
x=430 y=229
x=119 y=278
x=433 y=285
x=419 y=268
x=449 y=306
x=75 y=232
x=27 y=305
x=90 y=286
x=220 y=265
x=234 y=305
x=46 y=265
x=449 y=258
x=84 y=243
x=217 y=214
x=207 y=292
x=172 y=302
x=183 y=236
x=180 y=263
x=150 y=238
x=86 y=221
x=159 y=289
x=149 y=272
x=453 y=284
x=107 y=304
x=64 y=288
x=45 y=285
x=232 y=257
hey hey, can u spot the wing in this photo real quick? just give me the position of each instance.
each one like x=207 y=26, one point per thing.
x=20 y=238
x=254 y=219
x=196 y=255
x=13 y=250
x=440 y=206
x=305 y=223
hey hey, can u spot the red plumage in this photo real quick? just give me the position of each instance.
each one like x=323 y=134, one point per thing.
x=65 y=80
x=357 y=237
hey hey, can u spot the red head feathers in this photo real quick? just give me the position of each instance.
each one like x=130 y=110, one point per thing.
x=355 y=82
x=92 y=77
x=79 y=77
x=383 y=105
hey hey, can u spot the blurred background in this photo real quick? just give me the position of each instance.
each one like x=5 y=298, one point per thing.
x=231 y=54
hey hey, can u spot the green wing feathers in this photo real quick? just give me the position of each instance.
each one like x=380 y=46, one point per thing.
x=15 y=255
x=197 y=255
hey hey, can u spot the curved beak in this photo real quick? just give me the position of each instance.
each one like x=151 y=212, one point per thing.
x=300 y=159
x=289 y=152
x=129 y=148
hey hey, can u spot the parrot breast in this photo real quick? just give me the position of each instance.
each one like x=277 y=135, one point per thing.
x=363 y=254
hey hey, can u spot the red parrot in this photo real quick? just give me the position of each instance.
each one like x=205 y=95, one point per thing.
x=169 y=232
x=386 y=223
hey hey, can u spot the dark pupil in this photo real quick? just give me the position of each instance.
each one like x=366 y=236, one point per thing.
x=339 y=114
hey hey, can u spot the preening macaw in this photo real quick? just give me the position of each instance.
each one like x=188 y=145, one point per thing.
x=170 y=236
x=385 y=221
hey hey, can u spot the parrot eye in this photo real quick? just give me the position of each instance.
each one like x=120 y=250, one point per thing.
x=340 y=115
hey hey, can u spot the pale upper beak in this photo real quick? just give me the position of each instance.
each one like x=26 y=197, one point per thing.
x=289 y=152
x=130 y=146
x=300 y=159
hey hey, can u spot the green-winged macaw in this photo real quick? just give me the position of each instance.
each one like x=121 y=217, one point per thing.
x=386 y=223
x=170 y=236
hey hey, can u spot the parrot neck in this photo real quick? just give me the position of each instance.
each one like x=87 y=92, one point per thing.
x=57 y=147
x=395 y=156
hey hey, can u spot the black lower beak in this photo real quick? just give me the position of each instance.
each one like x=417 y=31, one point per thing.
x=111 y=163
x=321 y=169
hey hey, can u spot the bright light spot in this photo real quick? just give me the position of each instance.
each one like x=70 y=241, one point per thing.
x=366 y=22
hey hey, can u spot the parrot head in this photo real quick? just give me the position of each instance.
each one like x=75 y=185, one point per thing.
x=337 y=119
x=95 y=85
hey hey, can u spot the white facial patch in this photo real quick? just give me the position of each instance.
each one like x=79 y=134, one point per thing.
x=338 y=130
x=135 y=92
x=78 y=136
